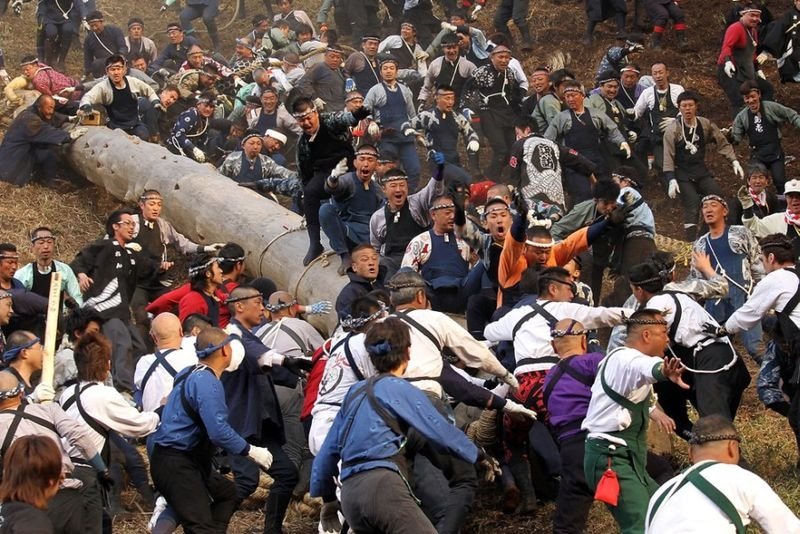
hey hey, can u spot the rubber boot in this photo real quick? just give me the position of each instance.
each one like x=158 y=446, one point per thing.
x=314 y=245
x=655 y=40
x=527 y=40
x=511 y=495
x=619 y=20
x=680 y=36
x=274 y=511
x=521 y=470
x=588 y=37
x=346 y=262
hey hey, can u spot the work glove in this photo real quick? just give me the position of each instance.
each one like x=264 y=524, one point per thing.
x=374 y=129
x=329 y=518
x=160 y=107
x=164 y=73
x=213 y=247
x=514 y=407
x=16 y=5
x=475 y=11
x=763 y=57
x=339 y=170
x=409 y=132
x=468 y=113
x=730 y=69
x=162 y=9
x=489 y=465
x=77 y=132
x=105 y=480
x=349 y=85
x=85 y=109
x=625 y=147
x=744 y=197
x=511 y=380
x=673 y=189
x=760 y=74
x=319 y=308
x=714 y=330
x=439 y=158
x=617 y=216
x=447 y=26
x=737 y=169
x=238 y=82
x=297 y=365
x=319 y=104
x=42 y=393
x=421 y=107
x=261 y=456
x=86 y=25
x=664 y=123
x=421 y=56
x=135 y=247
x=4 y=76
x=199 y=155
x=473 y=146
x=632 y=137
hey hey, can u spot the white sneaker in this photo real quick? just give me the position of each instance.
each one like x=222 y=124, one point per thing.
x=161 y=505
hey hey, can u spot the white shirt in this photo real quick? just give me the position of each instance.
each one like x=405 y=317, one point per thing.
x=272 y=335
x=160 y=382
x=533 y=338
x=688 y=510
x=338 y=375
x=647 y=99
x=629 y=373
x=426 y=360
x=693 y=316
x=109 y=408
x=773 y=292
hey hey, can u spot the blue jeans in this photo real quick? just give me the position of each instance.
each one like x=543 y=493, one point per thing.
x=722 y=310
x=342 y=235
x=407 y=152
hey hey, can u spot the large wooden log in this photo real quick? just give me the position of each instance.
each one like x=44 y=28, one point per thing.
x=208 y=207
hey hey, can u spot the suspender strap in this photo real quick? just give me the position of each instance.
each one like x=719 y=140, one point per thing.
x=537 y=310
x=562 y=367
x=792 y=304
x=616 y=397
x=424 y=331
x=185 y=404
x=19 y=415
x=92 y=422
x=296 y=338
x=351 y=361
x=673 y=329
x=161 y=359
x=534 y=361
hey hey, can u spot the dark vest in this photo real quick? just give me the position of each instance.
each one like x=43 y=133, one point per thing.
x=401 y=228
x=662 y=108
x=124 y=110
x=764 y=137
x=394 y=112
x=445 y=136
x=366 y=77
x=404 y=56
x=150 y=239
x=41 y=282
x=690 y=165
x=449 y=75
x=360 y=207
x=246 y=174
x=445 y=266
x=266 y=121
x=743 y=57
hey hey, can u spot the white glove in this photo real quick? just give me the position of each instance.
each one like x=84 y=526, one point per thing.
x=339 y=170
x=319 y=104
x=374 y=129
x=514 y=407
x=664 y=123
x=447 y=26
x=421 y=56
x=77 y=132
x=238 y=82
x=632 y=137
x=86 y=25
x=213 y=247
x=473 y=146
x=511 y=380
x=261 y=456
x=737 y=169
x=409 y=132
x=199 y=155
x=625 y=147
x=760 y=74
x=744 y=197
x=730 y=69
x=136 y=247
x=763 y=57
x=673 y=189
x=42 y=393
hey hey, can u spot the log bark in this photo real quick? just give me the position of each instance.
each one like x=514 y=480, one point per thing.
x=208 y=207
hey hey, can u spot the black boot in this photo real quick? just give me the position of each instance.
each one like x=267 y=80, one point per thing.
x=521 y=470
x=274 y=510
x=342 y=270
x=314 y=246
x=527 y=40
x=588 y=37
x=655 y=40
x=680 y=36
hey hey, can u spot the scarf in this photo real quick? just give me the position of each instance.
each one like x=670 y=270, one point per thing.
x=758 y=199
x=792 y=219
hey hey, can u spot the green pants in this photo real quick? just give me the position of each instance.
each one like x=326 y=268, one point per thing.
x=636 y=486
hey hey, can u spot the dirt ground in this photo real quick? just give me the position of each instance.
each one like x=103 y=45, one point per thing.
x=78 y=211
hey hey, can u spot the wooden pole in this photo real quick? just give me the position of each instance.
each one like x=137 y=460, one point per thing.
x=51 y=328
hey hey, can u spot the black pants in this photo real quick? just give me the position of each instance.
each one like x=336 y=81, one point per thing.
x=363 y=15
x=78 y=511
x=516 y=10
x=203 y=500
x=634 y=251
x=731 y=87
x=378 y=501
x=480 y=308
x=313 y=195
x=500 y=134
x=661 y=13
x=209 y=15
x=126 y=348
x=574 y=496
x=777 y=169
x=692 y=190
x=54 y=41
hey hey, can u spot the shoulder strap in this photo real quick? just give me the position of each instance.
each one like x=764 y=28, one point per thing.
x=676 y=320
x=92 y=422
x=351 y=361
x=185 y=404
x=678 y=482
x=563 y=367
x=424 y=331
x=792 y=304
x=295 y=337
x=537 y=310
x=391 y=421
x=19 y=415
x=616 y=397
x=161 y=359
x=718 y=498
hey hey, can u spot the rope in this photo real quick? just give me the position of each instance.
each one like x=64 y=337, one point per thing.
x=286 y=231
x=705 y=371
x=722 y=269
x=322 y=259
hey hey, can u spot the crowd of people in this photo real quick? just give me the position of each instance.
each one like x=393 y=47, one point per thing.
x=393 y=417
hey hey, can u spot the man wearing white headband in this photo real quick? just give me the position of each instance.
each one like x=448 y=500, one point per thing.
x=249 y=165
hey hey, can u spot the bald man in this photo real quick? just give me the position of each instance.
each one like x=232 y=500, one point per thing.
x=715 y=494
x=156 y=372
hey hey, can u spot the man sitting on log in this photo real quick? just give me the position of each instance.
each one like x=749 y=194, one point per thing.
x=248 y=165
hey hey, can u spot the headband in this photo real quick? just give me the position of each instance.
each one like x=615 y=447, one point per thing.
x=395 y=177
x=204 y=100
x=749 y=10
x=356 y=96
x=278 y=136
x=606 y=79
x=629 y=321
x=174 y=26
x=208 y=351
x=222 y=259
x=709 y=198
x=495 y=208
x=34 y=61
x=572 y=89
x=150 y=196
x=197 y=269
x=8 y=255
x=94 y=19
x=240 y=299
x=366 y=152
x=437 y=207
x=554 y=333
x=699 y=439
x=280 y=306
x=621 y=177
x=40 y=237
x=11 y=393
x=302 y=114
x=250 y=136
x=549 y=244
x=352 y=323
x=629 y=68
x=408 y=25
x=396 y=286
x=5 y=295
x=11 y=354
